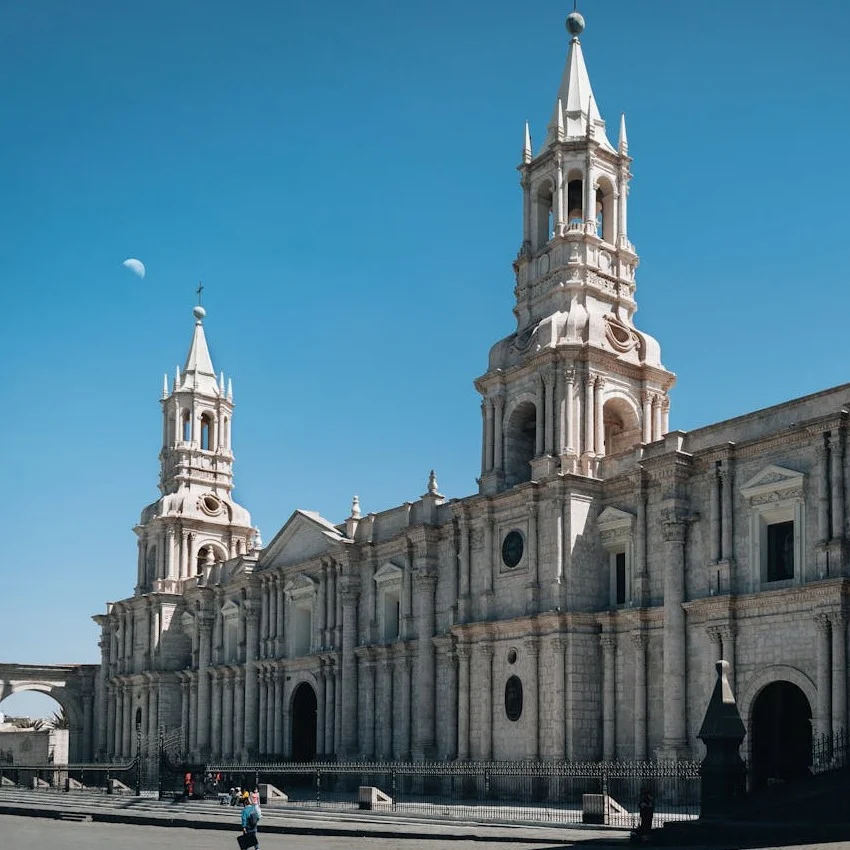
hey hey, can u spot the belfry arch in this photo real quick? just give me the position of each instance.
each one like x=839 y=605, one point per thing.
x=520 y=442
x=71 y=685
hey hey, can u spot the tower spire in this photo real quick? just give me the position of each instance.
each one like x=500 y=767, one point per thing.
x=623 y=144
x=526 y=148
x=576 y=107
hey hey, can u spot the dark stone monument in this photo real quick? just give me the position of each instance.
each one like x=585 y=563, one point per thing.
x=723 y=771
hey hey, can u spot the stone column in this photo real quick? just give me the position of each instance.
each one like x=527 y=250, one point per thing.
x=387 y=666
x=570 y=439
x=589 y=432
x=205 y=622
x=184 y=554
x=823 y=489
x=488 y=435
x=330 y=704
x=321 y=702
x=193 y=715
x=251 y=737
x=262 y=733
x=464 y=559
x=426 y=584
x=640 y=593
x=405 y=667
x=280 y=627
x=350 y=596
x=549 y=427
x=836 y=453
x=273 y=601
x=277 y=676
x=559 y=196
x=367 y=722
x=498 y=429
x=839 y=671
x=320 y=609
x=714 y=523
x=675 y=696
x=609 y=694
x=532 y=698
x=109 y=746
x=646 y=400
x=599 y=395
x=540 y=416
x=153 y=715
x=640 y=643
x=532 y=588
x=665 y=415
x=239 y=715
x=824 y=715
x=215 y=712
x=118 y=724
x=656 y=417
x=227 y=714
x=463 y=695
x=484 y=438
x=184 y=716
x=727 y=538
x=449 y=679
x=128 y=726
x=485 y=706
x=103 y=712
x=264 y=616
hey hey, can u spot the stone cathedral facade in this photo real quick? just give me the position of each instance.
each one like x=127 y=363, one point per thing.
x=571 y=609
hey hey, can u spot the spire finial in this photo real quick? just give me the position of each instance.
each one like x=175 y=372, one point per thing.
x=624 y=139
x=575 y=23
x=165 y=386
x=199 y=311
x=559 y=128
x=355 y=508
x=176 y=378
x=526 y=145
x=433 y=489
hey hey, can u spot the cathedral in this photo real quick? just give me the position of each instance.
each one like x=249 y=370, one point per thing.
x=572 y=608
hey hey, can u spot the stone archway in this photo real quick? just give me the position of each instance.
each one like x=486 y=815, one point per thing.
x=781 y=729
x=71 y=685
x=304 y=718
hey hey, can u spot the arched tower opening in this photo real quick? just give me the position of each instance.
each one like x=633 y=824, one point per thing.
x=206 y=432
x=621 y=426
x=520 y=443
x=544 y=209
x=575 y=200
x=605 y=213
x=304 y=718
x=186 y=418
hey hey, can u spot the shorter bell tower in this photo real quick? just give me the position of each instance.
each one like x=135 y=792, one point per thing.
x=577 y=380
x=195 y=522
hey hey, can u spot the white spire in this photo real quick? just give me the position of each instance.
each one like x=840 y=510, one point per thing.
x=623 y=144
x=433 y=488
x=526 y=147
x=221 y=383
x=165 y=386
x=230 y=389
x=559 y=129
x=198 y=373
x=355 y=508
x=176 y=379
x=576 y=104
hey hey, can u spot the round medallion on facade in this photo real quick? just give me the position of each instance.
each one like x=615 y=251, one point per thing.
x=513 y=698
x=210 y=504
x=511 y=656
x=512 y=548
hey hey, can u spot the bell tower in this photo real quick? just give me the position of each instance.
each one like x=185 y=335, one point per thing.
x=195 y=523
x=576 y=381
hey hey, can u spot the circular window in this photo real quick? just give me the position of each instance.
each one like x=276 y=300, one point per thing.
x=211 y=504
x=513 y=698
x=512 y=549
x=511 y=656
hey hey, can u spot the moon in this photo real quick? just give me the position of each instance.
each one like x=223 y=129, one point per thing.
x=135 y=266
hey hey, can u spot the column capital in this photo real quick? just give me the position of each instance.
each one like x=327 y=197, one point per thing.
x=609 y=642
x=728 y=632
x=570 y=374
x=499 y=400
x=531 y=647
x=205 y=621
x=252 y=614
x=715 y=634
x=599 y=381
x=822 y=623
x=838 y=619
x=425 y=580
x=640 y=641
x=559 y=644
x=484 y=648
x=464 y=651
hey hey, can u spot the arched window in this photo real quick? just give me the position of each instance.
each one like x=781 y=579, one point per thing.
x=206 y=432
x=545 y=224
x=575 y=202
x=621 y=425
x=207 y=556
x=150 y=564
x=520 y=443
x=187 y=426
x=605 y=212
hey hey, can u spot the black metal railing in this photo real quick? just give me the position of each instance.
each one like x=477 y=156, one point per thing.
x=121 y=778
x=830 y=752
x=549 y=792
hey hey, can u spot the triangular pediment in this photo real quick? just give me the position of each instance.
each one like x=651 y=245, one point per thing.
x=229 y=609
x=612 y=518
x=305 y=535
x=772 y=479
x=389 y=574
x=299 y=585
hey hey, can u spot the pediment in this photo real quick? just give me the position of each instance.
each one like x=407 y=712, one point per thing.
x=300 y=585
x=305 y=535
x=229 y=609
x=613 y=518
x=187 y=621
x=772 y=479
x=389 y=574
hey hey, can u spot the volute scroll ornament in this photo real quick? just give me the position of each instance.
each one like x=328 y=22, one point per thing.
x=619 y=335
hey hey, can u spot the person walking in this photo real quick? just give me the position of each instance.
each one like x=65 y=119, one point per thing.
x=250 y=824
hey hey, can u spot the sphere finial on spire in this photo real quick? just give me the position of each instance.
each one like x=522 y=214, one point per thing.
x=575 y=24
x=199 y=312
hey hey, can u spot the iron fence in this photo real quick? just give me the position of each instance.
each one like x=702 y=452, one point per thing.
x=547 y=792
x=830 y=751
x=105 y=778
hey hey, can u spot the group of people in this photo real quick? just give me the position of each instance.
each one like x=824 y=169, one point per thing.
x=235 y=796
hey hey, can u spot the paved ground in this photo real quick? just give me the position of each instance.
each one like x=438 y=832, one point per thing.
x=61 y=835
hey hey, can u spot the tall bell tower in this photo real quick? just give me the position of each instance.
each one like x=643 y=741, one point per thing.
x=576 y=381
x=195 y=522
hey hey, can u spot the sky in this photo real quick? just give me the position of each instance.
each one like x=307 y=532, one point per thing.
x=342 y=178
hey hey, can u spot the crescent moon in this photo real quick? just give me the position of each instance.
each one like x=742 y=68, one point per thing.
x=135 y=266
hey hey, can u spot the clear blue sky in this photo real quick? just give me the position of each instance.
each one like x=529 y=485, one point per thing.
x=342 y=178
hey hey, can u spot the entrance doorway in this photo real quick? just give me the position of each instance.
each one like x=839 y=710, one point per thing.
x=304 y=723
x=782 y=734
